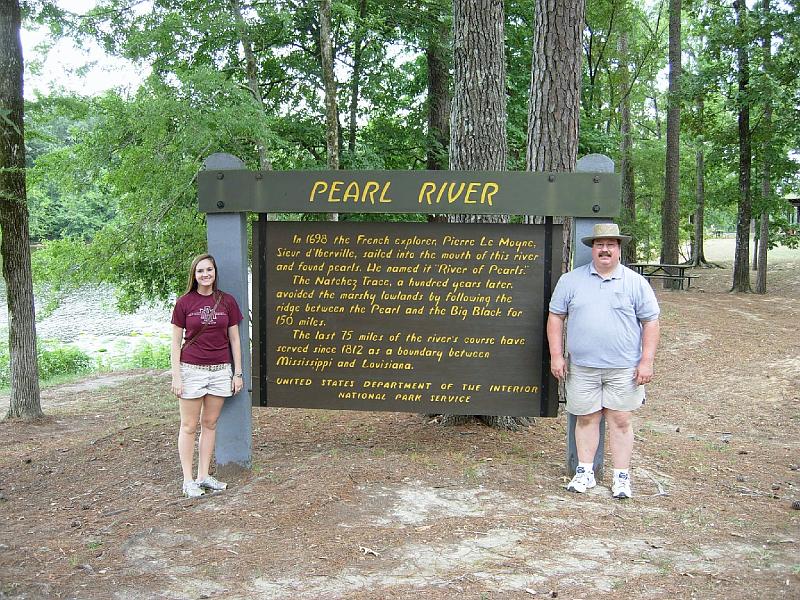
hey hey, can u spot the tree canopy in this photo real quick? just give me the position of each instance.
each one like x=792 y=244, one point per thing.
x=112 y=178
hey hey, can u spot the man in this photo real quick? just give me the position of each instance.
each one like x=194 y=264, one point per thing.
x=612 y=334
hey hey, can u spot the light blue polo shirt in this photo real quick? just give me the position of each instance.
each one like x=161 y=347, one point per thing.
x=604 y=315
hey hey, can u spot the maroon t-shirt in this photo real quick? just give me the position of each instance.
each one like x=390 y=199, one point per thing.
x=194 y=310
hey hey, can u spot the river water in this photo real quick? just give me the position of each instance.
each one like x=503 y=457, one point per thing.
x=88 y=320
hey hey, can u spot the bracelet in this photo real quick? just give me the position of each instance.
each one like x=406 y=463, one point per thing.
x=238 y=375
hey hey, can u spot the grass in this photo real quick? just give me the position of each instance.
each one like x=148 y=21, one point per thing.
x=457 y=456
x=422 y=459
x=145 y=355
x=53 y=381
x=472 y=474
x=61 y=363
x=518 y=454
x=723 y=250
x=664 y=566
x=765 y=558
x=717 y=446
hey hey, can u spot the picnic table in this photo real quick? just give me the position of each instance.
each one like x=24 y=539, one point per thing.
x=665 y=271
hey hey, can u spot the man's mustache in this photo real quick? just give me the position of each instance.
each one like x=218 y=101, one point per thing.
x=605 y=254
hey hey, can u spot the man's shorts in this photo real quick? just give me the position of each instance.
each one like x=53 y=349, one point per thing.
x=199 y=380
x=590 y=389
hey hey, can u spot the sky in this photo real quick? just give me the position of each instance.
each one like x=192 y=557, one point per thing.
x=85 y=70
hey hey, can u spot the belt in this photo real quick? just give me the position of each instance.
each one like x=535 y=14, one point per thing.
x=221 y=367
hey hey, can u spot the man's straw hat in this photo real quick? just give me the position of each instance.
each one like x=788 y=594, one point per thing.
x=605 y=231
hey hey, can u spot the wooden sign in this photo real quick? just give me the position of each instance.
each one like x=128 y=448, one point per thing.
x=411 y=317
x=442 y=192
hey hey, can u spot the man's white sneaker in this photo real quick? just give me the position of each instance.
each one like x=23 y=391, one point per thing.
x=582 y=481
x=621 y=488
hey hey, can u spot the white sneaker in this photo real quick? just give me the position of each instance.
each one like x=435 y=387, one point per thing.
x=583 y=480
x=192 y=490
x=211 y=483
x=621 y=488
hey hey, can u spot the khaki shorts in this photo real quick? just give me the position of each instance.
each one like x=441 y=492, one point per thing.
x=590 y=389
x=198 y=381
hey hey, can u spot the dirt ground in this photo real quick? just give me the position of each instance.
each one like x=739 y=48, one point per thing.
x=388 y=505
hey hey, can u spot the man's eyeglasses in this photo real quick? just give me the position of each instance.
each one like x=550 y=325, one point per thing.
x=601 y=246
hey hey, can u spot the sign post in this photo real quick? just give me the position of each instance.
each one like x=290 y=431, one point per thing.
x=227 y=243
x=592 y=163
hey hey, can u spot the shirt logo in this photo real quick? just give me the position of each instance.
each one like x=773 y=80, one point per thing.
x=208 y=315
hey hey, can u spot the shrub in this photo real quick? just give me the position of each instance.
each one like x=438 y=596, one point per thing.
x=58 y=361
x=5 y=366
x=148 y=356
x=63 y=360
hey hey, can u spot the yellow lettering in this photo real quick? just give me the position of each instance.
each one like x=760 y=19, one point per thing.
x=351 y=192
x=335 y=187
x=486 y=196
x=470 y=189
x=319 y=188
x=369 y=190
x=452 y=198
x=469 y=193
x=426 y=190
x=385 y=189
x=441 y=192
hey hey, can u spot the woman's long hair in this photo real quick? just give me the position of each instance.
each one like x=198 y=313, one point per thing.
x=192 y=285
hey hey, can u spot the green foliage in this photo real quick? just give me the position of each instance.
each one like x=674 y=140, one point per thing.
x=61 y=361
x=150 y=356
x=55 y=361
x=712 y=89
x=111 y=179
x=5 y=365
x=147 y=355
x=146 y=152
x=61 y=207
x=519 y=36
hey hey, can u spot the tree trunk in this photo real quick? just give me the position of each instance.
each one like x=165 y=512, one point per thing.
x=555 y=93
x=329 y=83
x=358 y=52
x=554 y=113
x=766 y=185
x=741 y=261
x=478 y=132
x=670 y=207
x=698 y=252
x=438 y=61
x=626 y=155
x=763 y=246
x=252 y=78
x=25 y=400
x=657 y=117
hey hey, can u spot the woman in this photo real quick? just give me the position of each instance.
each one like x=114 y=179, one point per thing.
x=205 y=341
